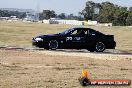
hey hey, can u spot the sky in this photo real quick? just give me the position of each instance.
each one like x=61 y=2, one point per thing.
x=59 y=6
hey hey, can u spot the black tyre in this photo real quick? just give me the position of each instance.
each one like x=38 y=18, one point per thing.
x=53 y=44
x=99 y=47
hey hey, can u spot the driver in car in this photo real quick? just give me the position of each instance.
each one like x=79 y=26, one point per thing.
x=80 y=32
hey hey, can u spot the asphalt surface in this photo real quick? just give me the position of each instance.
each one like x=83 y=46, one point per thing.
x=74 y=52
x=110 y=51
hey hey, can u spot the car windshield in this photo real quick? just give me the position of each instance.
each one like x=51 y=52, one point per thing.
x=67 y=31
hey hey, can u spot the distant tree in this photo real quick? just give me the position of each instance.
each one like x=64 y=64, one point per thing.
x=108 y=13
x=5 y=13
x=72 y=17
x=22 y=15
x=80 y=18
x=129 y=19
x=62 y=16
x=91 y=11
x=130 y=8
x=47 y=14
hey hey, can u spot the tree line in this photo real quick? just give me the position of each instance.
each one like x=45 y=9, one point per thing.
x=107 y=12
x=47 y=14
x=6 y=13
x=104 y=12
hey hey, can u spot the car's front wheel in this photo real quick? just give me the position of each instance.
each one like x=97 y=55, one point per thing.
x=53 y=44
x=99 y=47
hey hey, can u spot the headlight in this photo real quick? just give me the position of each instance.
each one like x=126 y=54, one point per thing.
x=38 y=39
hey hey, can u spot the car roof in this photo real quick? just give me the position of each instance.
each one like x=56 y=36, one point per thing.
x=78 y=27
x=81 y=28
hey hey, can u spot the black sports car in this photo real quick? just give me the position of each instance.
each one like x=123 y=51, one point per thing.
x=76 y=38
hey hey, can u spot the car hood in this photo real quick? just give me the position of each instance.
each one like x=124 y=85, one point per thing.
x=48 y=35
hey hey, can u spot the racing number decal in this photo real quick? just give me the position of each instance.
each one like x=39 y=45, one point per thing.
x=68 y=38
x=77 y=38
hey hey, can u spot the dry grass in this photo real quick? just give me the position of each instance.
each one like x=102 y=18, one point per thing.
x=20 y=33
x=32 y=69
x=27 y=69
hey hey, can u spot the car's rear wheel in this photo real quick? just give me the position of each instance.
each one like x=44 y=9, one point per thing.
x=53 y=44
x=99 y=47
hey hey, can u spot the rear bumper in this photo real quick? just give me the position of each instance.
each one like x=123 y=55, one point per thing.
x=111 y=45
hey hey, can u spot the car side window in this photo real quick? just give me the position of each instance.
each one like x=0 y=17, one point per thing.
x=74 y=32
x=91 y=32
x=79 y=32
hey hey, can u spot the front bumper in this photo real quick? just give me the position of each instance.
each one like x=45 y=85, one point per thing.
x=39 y=44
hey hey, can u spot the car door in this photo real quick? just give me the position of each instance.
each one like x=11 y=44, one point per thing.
x=68 y=40
x=76 y=40
x=92 y=37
